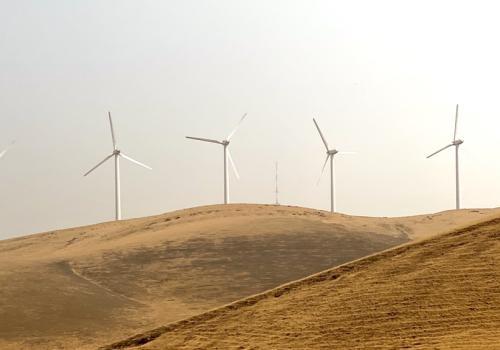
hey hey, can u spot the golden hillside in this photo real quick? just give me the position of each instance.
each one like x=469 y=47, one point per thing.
x=440 y=293
x=88 y=286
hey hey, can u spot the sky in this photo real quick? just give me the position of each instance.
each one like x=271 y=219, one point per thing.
x=382 y=78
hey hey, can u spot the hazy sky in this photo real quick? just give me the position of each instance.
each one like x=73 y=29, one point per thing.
x=381 y=77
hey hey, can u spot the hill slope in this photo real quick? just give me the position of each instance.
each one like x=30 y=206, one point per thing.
x=441 y=293
x=92 y=285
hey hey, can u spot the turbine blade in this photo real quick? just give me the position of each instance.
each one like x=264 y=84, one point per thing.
x=236 y=128
x=442 y=149
x=456 y=124
x=5 y=150
x=112 y=130
x=232 y=164
x=321 y=134
x=98 y=165
x=323 y=169
x=202 y=139
x=135 y=161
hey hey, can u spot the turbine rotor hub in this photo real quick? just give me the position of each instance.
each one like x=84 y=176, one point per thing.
x=225 y=142
x=116 y=152
x=458 y=142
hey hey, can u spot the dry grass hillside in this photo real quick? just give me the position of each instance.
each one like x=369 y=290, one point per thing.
x=84 y=287
x=440 y=293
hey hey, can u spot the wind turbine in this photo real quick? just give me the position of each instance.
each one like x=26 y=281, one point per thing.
x=456 y=142
x=117 y=153
x=227 y=155
x=5 y=150
x=330 y=155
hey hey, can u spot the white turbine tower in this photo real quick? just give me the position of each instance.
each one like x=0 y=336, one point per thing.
x=117 y=153
x=227 y=155
x=456 y=142
x=330 y=155
x=5 y=150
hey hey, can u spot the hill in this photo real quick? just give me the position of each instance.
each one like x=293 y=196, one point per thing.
x=440 y=293
x=81 y=287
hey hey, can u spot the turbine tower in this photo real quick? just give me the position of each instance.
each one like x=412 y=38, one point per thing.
x=117 y=154
x=456 y=142
x=227 y=156
x=330 y=155
x=2 y=154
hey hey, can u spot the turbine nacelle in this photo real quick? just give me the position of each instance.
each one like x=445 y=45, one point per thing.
x=332 y=152
x=225 y=142
x=457 y=142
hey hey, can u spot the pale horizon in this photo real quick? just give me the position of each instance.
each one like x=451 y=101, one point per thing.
x=381 y=80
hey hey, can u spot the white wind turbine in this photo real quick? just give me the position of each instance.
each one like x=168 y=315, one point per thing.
x=456 y=142
x=227 y=155
x=5 y=150
x=330 y=155
x=117 y=153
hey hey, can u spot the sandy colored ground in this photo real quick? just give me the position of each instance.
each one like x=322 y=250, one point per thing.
x=88 y=286
x=441 y=293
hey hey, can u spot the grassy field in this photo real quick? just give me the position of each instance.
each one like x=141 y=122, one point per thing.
x=84 y=287
x=440 y=293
